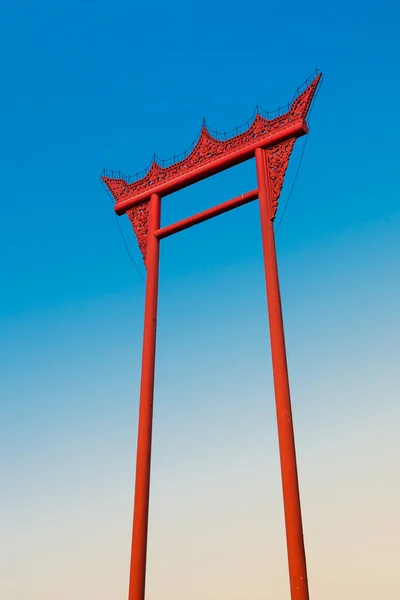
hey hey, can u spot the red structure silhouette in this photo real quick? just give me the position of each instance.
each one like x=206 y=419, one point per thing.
x=271 y=142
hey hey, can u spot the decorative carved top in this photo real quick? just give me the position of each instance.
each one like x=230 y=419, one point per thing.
x=139 y=217
x=209 y=149
x=277 y=161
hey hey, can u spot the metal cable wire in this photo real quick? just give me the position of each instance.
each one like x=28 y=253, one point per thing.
x=292 y=188
x=127 y=249
x=298 y=166
x=123 y=237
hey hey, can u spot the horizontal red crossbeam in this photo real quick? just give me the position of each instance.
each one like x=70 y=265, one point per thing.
x=206 y=214
x=220 y=164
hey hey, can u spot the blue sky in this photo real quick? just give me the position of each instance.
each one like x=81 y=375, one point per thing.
x=87 y=87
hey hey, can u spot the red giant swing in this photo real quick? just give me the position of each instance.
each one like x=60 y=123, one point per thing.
x=270 y=142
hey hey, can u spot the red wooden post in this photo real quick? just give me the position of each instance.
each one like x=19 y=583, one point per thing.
x=143 y=457
x=290 y=485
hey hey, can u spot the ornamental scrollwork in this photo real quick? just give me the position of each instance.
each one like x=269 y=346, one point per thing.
x=139 y=217
x=278 y=159
x=209 y=149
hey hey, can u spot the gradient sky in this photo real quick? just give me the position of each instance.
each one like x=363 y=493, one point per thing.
x=87 y=86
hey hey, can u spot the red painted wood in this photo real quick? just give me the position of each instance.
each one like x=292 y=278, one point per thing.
x=211 y=155
x=287 y=452
x=143 y=457
x=271 y=142
x=186 y=178
x=206 y=214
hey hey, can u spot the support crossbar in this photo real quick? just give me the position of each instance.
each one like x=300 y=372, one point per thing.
x=206 y=214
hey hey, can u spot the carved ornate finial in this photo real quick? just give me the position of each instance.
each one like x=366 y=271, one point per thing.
x=207 y=150
x=139 y=217
x=277 y=161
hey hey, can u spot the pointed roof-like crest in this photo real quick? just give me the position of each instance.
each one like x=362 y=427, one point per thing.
x=211 y=153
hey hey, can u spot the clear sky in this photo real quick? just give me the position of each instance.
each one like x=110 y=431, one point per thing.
x=94 y=85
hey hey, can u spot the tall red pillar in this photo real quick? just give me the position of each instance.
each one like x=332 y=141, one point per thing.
x=290 y=485
x=143 y=458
